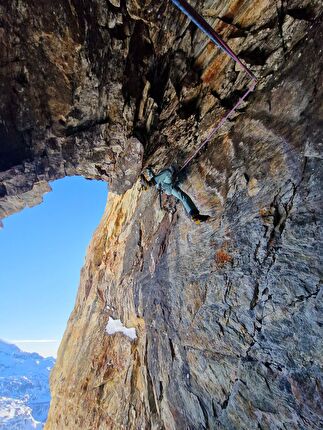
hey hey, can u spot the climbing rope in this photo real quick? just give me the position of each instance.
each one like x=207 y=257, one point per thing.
x=203 y=25
x=215 y=129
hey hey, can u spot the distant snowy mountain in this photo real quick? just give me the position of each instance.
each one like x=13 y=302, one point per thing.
x=15 y=415
x=24 y=388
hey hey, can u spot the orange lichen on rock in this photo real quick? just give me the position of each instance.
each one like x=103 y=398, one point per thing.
x=266 y=214
x=222 y=257
x=215 y=68
x=263 y=212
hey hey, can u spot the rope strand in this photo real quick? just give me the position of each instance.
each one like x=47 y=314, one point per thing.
x=215 y=129
x=203 y=25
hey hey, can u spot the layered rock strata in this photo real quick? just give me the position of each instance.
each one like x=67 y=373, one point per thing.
x=228 y=314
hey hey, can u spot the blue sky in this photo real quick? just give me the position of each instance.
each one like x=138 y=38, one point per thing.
x=42 y=250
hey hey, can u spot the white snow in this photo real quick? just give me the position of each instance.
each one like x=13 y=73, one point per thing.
x=15 y=415
x=116 y=326
x=24 y=388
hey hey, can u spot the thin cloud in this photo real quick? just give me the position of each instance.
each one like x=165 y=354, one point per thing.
x=34 y=341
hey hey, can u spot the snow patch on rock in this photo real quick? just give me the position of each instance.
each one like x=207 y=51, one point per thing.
x=116 y=326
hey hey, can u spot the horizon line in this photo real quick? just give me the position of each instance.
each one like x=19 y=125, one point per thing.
x=34 y=341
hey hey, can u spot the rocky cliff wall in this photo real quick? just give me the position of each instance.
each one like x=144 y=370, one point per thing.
x=228 y=314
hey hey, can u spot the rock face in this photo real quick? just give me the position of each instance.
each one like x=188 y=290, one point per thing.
x=228 y=314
